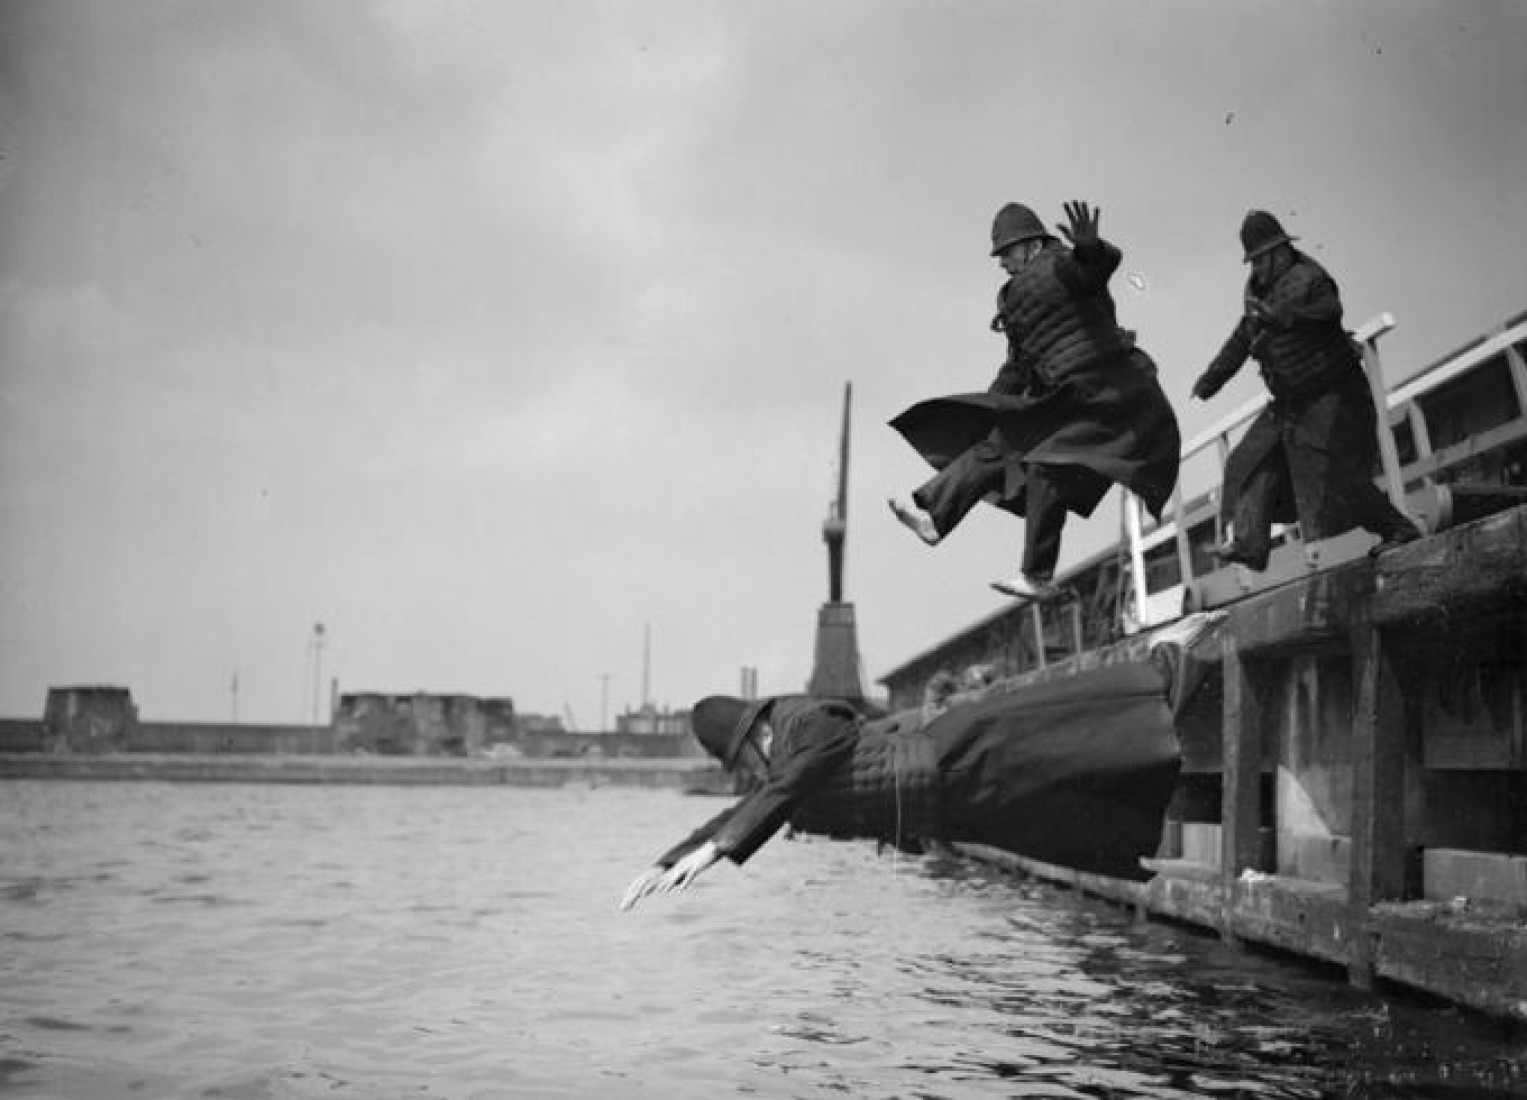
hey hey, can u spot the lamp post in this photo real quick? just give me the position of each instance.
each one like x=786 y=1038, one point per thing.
x=313 y=667
x=318 y=641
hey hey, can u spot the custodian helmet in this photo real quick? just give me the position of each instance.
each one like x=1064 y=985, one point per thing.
x=721 y=723
x=1260 y=232
x=1013 y=223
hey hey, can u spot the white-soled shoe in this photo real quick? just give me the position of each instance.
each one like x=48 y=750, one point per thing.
x=1025 y=587
x=916 y=521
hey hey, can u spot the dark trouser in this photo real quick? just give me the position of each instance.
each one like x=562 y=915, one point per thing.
x=1369 y=506
x=1249 y=512
x=1044 y=517
x=951 y=493
x=1332 y=487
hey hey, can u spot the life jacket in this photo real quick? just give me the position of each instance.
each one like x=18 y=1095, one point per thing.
x=1054 y=330
x=888 y=791
x=1306 y=359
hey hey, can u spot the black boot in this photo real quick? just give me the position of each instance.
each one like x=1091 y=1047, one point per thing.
x=1231 y=554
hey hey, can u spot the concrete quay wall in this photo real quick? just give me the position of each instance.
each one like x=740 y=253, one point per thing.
x=245 y=738
x=698 y=775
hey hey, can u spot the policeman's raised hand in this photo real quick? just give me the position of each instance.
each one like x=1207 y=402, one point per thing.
x=1083 y=230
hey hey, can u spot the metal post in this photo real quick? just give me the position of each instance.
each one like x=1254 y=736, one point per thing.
x=1184 y=551
x=1374 y=371
x=1222 y=452
x=1136 y=556
x=318 y=640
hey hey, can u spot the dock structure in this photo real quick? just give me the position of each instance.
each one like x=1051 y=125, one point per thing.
x=1362 y=799
x=1354 y=783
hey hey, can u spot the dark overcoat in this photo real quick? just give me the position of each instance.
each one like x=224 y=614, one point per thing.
x=1318 y=437
x=1075 y=396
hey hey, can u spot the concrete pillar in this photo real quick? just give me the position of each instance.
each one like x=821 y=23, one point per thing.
x=1248 y=695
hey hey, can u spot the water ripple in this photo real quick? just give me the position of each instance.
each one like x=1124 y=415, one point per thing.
x=251 y=942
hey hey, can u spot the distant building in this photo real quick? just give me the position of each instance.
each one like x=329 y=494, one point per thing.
x=648 y=719
x=541 y=723
x=422 y=724
x=89 y=719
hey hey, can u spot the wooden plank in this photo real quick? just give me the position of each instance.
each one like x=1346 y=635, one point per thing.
x=1377 y=868
x=1308 y=918
x=1311 y=614
x=1476 y=567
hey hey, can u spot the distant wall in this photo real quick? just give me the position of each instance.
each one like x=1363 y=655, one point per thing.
x=203 y=738
x=104 y=720
x=22 y=735
x=195 y=737
x=608 y=744
x=212 y=739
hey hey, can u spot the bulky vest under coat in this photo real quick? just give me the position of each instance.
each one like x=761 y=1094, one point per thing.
x=1057 y=312
x=888 y=790
x=1309 y=352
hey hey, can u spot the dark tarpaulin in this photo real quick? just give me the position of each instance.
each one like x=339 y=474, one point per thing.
x=1107 y=424
x=1076 y=772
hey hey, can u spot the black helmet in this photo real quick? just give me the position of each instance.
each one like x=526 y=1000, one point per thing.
x=1013 y=223
x=722 y=723
x=1260 y=232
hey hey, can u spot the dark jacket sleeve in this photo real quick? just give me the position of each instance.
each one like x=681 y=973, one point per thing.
x=814 y=745
x=1318 y=302
x=696 y=838
x=1086 y=271
x=1230 y=359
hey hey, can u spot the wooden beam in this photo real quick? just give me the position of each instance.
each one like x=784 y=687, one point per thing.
x=1247 y=697
x=1314 y=613
x=1480 y=566
x=1379 y=750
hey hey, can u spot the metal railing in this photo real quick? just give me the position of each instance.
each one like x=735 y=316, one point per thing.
x=1403 y=406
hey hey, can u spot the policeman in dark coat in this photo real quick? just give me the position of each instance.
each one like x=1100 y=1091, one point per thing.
x=1076 y=772
x=1075 y=408
x=1310 y=455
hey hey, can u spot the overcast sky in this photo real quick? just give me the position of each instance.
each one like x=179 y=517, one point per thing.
x=488 y=334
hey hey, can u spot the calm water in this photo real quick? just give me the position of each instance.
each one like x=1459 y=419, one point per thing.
x=246 y=942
